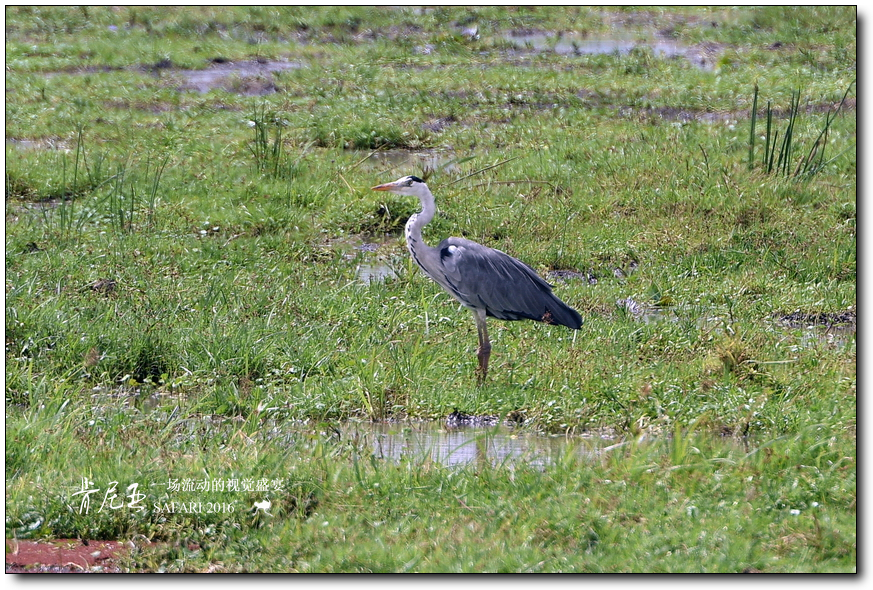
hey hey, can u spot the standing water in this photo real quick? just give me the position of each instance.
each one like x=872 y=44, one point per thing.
x=617 y=43
x=495 y=445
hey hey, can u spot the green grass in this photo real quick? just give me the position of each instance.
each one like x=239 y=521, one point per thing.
x=179 y=295
x=690 y=504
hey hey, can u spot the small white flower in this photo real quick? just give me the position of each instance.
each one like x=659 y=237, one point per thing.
x=794 y=512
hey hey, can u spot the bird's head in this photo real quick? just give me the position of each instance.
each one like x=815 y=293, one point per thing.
x=411 y=186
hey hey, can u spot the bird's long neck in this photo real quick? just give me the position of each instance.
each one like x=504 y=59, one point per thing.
x=414 y=241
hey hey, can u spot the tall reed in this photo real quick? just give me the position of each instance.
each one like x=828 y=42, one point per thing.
x=780 y=162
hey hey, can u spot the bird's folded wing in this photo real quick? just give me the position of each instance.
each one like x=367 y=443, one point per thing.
x=504 y=286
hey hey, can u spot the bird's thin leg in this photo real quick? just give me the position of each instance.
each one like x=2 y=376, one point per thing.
x=484 y=351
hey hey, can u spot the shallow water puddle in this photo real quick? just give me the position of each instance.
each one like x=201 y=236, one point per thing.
x=374 y=272
x=807 y=334
x=622 y=43
x=834 y=336
x=251 y=78
x=35 y=144
x=495 y=445
x=835 y=330
x=410 y=161
x=644 y=312
x=372 y=266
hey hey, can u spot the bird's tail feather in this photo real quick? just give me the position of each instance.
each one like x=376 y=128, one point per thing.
x=563 y=314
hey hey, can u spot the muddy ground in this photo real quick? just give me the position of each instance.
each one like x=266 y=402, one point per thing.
x=64 y=556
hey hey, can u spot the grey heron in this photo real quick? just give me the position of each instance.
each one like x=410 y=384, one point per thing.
x=487 y=281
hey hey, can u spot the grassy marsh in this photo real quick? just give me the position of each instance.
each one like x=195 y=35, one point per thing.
x=180 y=292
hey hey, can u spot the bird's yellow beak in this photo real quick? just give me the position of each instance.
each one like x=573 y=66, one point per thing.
x=385 y=187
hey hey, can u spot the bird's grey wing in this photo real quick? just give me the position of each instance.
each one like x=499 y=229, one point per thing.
x=508 y=289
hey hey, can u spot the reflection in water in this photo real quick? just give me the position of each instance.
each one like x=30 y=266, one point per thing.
x=642 y=311
x=374 y=272
x=839 y=336
x=481 y=445
x=836 y=330
x=372 y=266
x=410 y=160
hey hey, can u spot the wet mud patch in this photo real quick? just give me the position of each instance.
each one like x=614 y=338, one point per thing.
x=82 y=71
x=587 y=98
x=687 y=115
x=800 y=319
x=679 y=114
x=248 y=78
x=64 y=556
x=459 y=419
x=563 y=276
x=438 y=124
x=156 y=108
x=665 y=23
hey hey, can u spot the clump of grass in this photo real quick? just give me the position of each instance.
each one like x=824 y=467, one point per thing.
x=71 y=174
x=267 y=145
x=351 y=130
x=782 y=164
